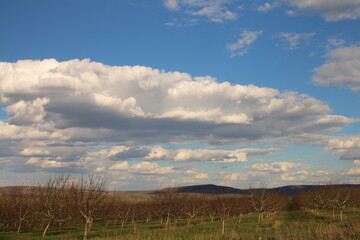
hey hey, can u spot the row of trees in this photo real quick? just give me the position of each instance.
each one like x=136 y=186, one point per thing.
x=331 y=197
x=64 y=201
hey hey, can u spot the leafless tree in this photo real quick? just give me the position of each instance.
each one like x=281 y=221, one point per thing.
x=51 y=201
x=334 y=196
x=90 y=198
x=166 y=204
x=6 y=214
x=262 y=200
x=22 y=200
x=223 y=209
x=192 y=206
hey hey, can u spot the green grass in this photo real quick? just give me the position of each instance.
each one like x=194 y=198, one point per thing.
x=292 y=224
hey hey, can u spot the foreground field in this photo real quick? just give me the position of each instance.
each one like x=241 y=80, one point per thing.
x=289 y=224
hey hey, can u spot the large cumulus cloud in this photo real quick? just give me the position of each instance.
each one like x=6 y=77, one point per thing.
x=78 y=116
x=82 y=98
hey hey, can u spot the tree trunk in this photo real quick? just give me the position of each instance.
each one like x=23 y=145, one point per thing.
x=87 y=227
x=341 y=215
x=189 y=220
x=46 y=228
x=167 y=222
x=85 y=231
x=223 y=227
x=19 y=227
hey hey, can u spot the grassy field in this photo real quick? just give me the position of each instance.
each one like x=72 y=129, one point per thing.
x=290 y=224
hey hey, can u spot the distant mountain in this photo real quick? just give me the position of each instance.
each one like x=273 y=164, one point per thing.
x=287 y=190
x=203 y=189
x=211 y=189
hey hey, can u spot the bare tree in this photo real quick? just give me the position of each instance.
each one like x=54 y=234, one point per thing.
x=192 y=206
x=51 y=201
x=90 y=198
x=6 y=213
x=166 y=202
x=21 y=200
x=223 y=208
x=262 y=200
x=334 y=196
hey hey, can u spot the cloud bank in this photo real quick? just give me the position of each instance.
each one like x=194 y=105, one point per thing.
x=83 y=100
x=81 y=116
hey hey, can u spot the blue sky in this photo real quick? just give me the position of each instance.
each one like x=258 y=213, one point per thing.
x=177 y=92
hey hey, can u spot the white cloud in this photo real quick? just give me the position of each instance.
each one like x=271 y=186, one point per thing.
x=291 y=40
x=116 y=153
x=23 y=113
x=341 y=69
x=171 y=4
x=242 y=176
x=241 y=47
x=202 y=176
x=85 y=103
x=142 y=168
x=14 y=132
x=35 y=152
x=70 y=112
x=235 y=176
x=210 y=155
x=275 y=167
x=353 y=172
x=330 y=10
x=295 y=176
x=55 y=164
x=265 y=7
x=348 y=147
x=211 y=10
x=308 y=177
x=334 y=42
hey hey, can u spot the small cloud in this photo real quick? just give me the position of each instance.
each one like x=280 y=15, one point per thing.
x=290 y=12
x=336 y=10
x=348 y=147
x=265 y=8
x=353 y=172
x=275 y=167
x=340 y=68
x=142 y=168
x=216 y=11
x=292 y=41
x=241 y=47
x=171 y=4
x=334 y=42
x=202 y=176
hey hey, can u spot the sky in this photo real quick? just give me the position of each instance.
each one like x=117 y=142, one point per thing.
x=166 y=93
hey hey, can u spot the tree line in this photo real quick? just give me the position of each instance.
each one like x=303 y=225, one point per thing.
x=64 y=201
